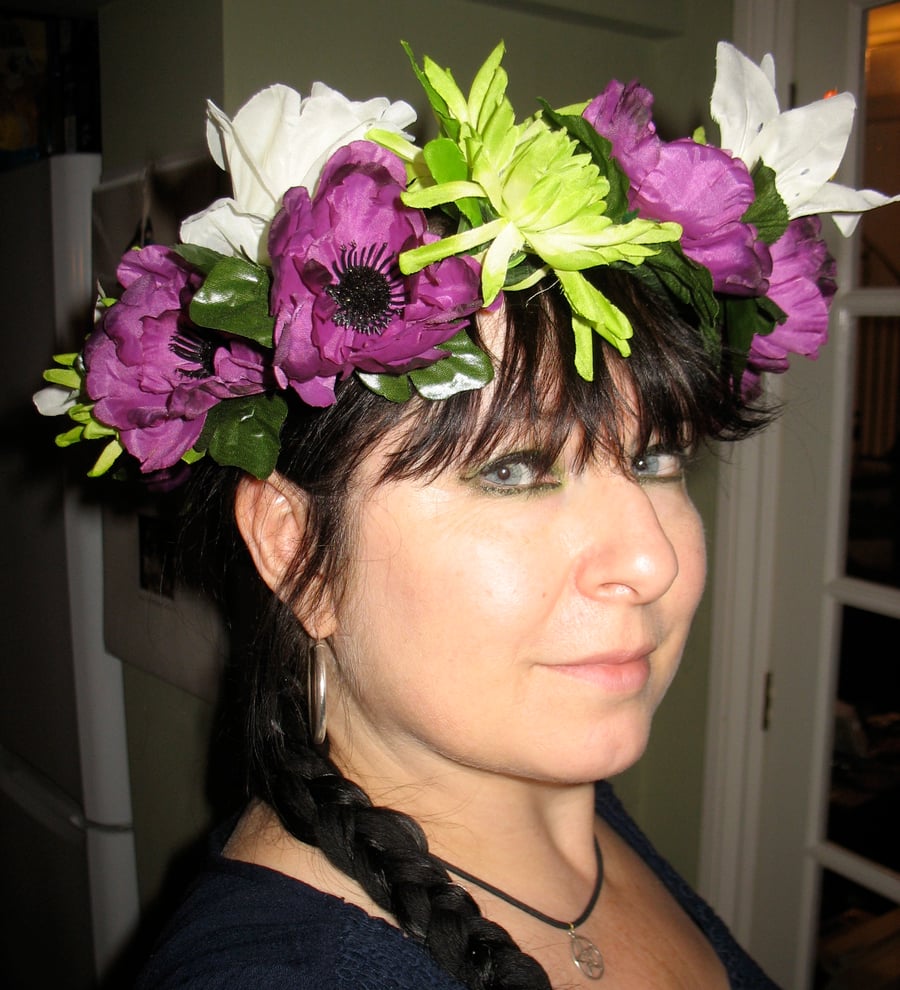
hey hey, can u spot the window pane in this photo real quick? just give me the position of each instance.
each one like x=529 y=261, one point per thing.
x=859 y=938
x=880 y=265
x=864 y=801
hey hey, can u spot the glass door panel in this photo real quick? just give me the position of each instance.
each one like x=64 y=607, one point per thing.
x=859 y=938
x=864 y=797
x=858 y=942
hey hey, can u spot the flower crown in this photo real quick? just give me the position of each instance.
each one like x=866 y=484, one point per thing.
x=323 y=264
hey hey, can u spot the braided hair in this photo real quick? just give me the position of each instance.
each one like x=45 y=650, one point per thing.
x=683 y=398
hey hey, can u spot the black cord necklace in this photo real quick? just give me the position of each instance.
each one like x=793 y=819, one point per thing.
x=585 y=954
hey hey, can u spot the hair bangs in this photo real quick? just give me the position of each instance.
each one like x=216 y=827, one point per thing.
x=669 y=392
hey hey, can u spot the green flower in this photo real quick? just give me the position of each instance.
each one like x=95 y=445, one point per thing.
x=531 y=201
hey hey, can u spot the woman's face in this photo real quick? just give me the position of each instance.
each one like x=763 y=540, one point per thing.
x=514 y=620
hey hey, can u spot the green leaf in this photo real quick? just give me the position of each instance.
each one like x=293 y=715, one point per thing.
x=689 y=285
x=395 y=388
x=245 y=432
x=600 y=150
x=467 y=367
x=742 y=320
x=767 y=212
x=235 y=298
x=446 y=163
x=445 y=160
x=200 y=257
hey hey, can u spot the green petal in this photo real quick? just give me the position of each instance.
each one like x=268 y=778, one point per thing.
x=67 y=360
x=193 y=455
x=69 y=437
x=94 y=429
x=584 y=347
x=591 y=306
x=496 y=261
x=425 y=197
x=401 y=146
x=449 y=125
x=443 y=83
x=488 y=85
x=601 y=152
x=67 y=377
x=106 y=459
x=466 y=241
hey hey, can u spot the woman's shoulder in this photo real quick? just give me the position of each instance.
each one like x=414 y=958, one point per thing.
x=743 y=972
x=244 y=925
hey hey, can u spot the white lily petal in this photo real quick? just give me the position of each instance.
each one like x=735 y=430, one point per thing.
x=225 y=229
x=805 y=146
x=743 y=99
x=278 y=140
x=329 y=121
x=258 y=137
x=54 y=400
x=845 y=204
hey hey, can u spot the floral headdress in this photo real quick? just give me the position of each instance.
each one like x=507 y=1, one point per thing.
x=323 y=263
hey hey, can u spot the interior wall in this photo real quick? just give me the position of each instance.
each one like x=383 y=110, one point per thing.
x=160 y=61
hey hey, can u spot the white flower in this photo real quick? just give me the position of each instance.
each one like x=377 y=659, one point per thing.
x=55 y=400
x=276 y=141
x=804 y=147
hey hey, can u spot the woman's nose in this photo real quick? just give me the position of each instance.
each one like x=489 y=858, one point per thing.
x=627 y=549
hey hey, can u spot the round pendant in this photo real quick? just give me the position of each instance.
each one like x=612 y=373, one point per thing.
x=587 y=957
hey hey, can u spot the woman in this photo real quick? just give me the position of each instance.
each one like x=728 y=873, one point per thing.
x=457 y=463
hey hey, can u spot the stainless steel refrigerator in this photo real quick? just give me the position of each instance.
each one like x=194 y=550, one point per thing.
x=67 y=865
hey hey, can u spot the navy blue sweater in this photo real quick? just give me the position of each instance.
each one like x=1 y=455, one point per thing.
x=247 y=926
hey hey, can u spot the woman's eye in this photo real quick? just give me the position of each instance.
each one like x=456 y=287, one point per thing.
x=516 y=472
x=659 y=465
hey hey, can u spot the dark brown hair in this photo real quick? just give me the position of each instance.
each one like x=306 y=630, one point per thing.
x=671 y=387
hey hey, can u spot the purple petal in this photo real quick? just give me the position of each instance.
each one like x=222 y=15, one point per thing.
x=339 y=299
x=802 y=284
x=623 y=114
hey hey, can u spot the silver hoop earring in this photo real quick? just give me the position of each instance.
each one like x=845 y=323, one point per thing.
x=316 y=686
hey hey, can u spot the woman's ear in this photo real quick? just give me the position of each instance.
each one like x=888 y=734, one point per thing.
x=271 y=517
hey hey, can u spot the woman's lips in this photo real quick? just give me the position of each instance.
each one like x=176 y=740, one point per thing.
x=619 y=672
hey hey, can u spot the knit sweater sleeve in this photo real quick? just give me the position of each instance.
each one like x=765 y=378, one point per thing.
x=244 y=926
x=743 y=972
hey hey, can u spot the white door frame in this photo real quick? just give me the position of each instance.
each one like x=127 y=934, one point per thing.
x=742 y=597
x=737 y=860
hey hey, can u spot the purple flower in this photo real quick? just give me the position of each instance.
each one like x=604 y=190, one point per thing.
x=152 y=373
x=699 y=186
x=339 y=300
x=802 y=284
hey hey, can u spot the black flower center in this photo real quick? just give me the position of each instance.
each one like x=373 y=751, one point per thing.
x=368 y=288
x=188 y=345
